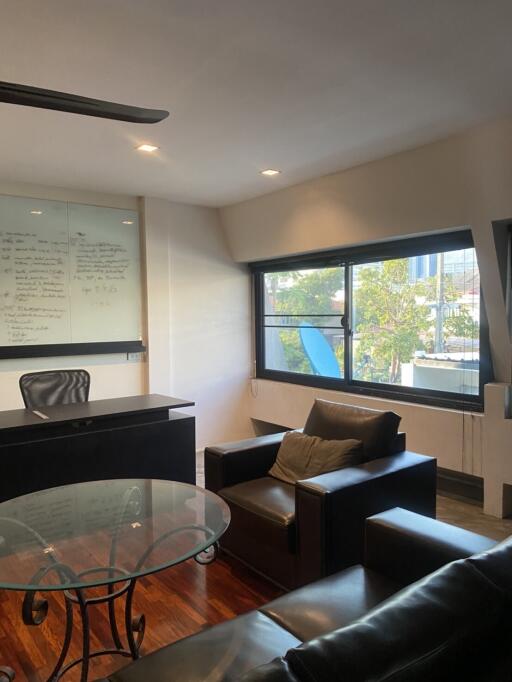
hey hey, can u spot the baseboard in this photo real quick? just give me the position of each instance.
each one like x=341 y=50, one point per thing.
x=460 y=486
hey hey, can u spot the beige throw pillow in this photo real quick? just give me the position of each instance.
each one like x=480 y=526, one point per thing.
x=376 y=429
x=301 y=456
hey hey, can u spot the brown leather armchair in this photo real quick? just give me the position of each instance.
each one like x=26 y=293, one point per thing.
x=294 y=534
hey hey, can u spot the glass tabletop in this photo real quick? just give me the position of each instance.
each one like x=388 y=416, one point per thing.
x=101 y=532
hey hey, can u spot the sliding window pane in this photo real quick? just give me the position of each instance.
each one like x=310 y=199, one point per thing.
x=416 y=322
x=303 y=312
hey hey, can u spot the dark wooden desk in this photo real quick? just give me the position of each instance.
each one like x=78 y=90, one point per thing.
x=132 y=437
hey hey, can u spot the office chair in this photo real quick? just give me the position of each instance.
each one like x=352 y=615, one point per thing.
x=55 y=387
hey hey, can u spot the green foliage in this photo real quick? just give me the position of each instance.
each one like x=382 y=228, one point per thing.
x=393 y=316
x=462 y=324
x=296 y=359
x=305 y=291
x=300 y=293
x=390 y=322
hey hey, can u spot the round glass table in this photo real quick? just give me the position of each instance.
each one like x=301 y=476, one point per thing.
x=102 y=534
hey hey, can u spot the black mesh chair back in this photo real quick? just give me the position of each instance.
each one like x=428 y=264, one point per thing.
x=55 y=387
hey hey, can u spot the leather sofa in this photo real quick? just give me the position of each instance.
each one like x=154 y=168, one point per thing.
x=294 y=534
x=417 y=610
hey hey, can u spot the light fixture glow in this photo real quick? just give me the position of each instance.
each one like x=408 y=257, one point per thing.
x=270 y=171
x=127 y=222
x=34 y=212
x=146 y=148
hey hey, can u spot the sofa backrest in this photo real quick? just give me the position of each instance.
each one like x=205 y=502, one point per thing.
x=453 y=624
x=496 y=565
x=335 y=421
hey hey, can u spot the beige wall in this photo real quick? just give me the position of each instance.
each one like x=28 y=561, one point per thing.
x=410 y=193
x=464 y=180
x=453 y=437
x=112 y=376
x=198 y=310
x=198 y=318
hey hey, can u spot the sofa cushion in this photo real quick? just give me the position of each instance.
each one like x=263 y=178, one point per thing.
x=335 y=421
x=276 y=671
x=267 y=497
x=224 y=652
x=441 y=628
x=301 y=456
x=330 y=603
x=263 y=531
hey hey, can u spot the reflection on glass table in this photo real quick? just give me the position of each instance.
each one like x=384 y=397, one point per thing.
x=100 y=533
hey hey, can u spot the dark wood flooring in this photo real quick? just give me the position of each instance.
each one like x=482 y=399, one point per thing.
x=177 y=602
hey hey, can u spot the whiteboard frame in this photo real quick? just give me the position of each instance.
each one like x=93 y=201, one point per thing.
x=93 y=347
x=50 y=350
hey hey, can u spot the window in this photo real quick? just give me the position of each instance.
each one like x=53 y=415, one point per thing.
x=303 y=309
x=402 y=320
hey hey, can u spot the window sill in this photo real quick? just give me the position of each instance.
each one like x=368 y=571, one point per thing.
x=425 y=397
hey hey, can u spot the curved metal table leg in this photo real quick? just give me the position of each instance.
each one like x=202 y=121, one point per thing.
x=133 y=625
x=112 y=619
x=35 y=612
x=67 y=641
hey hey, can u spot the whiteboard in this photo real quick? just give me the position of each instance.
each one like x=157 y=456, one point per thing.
x=69 y=273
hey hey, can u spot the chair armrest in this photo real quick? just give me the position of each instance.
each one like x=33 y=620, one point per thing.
x=243 y=460
x=406 y=546
x=331 y=509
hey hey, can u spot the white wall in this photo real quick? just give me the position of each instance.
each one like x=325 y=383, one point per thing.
x=112 y=376
x=197 y=305
x=198 y=318
x=464 y=180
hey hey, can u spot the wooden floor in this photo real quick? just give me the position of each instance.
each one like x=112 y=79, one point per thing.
x=471 y=517
x=177 y=602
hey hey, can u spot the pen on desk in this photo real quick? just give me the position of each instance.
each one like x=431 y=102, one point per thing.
x=40 y=414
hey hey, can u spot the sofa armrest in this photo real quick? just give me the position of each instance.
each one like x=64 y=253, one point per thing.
x=398 y=443
x=406 y=546
x=243 y=460
x=331 y=509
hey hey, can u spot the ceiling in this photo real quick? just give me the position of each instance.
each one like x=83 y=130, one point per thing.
x=305 y=86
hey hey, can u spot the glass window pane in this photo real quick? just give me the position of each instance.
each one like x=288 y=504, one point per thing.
x=303 y=311
x=416 y=322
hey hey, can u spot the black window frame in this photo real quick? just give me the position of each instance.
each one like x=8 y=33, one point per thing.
x=403 y=248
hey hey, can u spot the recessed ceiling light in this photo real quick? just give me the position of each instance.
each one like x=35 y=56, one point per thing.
x=34 y=212
x=147 y=148
x=270 y=171
x=127 y=222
